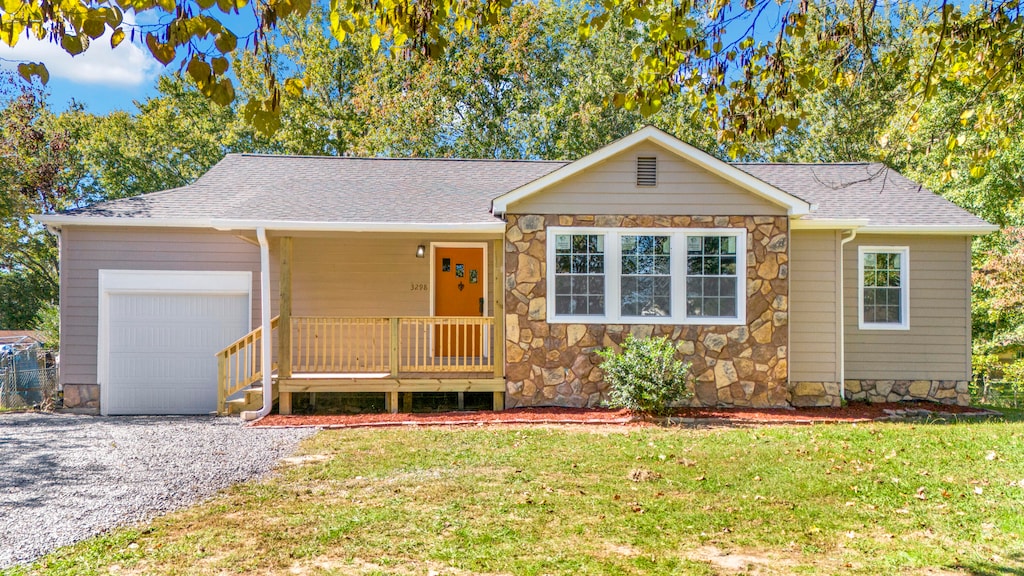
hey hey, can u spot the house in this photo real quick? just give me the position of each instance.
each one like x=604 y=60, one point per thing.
x=783 y=284
x=20 y=337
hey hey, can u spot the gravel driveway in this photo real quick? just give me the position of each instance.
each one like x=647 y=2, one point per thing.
x=64 y=478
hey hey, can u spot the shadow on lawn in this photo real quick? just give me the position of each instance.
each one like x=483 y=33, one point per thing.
x=1008 y=414
x=1012 y=565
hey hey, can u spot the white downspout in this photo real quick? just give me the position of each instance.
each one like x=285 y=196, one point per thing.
x=842 y=315
x=268 y=345
x=56 y=231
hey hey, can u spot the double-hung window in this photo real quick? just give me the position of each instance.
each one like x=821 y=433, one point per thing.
x=884 y=291
x=647 y=276
x=711 y=276
x=579 y=275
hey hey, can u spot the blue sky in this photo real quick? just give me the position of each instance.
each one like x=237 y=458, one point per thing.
x=106 y=79
x=102 y=78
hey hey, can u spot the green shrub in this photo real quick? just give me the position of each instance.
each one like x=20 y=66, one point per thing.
x=48 y=324
x=646 y=376
x=1009 y=392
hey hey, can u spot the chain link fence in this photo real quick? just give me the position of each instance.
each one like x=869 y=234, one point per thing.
x=28 y=377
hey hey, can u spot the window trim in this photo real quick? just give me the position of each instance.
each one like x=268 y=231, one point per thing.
x=904 y=252
x=613 y=276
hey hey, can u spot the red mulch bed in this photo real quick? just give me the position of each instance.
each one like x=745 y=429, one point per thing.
x=856 y=412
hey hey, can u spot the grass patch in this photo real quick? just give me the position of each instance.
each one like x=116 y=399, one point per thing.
x=866 y=499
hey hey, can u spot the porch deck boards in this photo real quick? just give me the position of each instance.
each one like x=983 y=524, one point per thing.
x=385 y=383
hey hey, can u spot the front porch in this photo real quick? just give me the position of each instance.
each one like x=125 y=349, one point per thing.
x=388 y=354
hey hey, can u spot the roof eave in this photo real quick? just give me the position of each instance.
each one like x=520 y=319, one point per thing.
x=932 y=230
x=58 y=220
x=794 y=206
x=828 y=224
x=300 y=226
x=863 y=226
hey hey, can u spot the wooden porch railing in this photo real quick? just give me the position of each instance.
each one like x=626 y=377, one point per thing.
x=364 y=345
x=445 y=344
x=322 y=344
x=241 y=364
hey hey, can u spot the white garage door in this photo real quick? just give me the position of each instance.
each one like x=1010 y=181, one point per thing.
x=160 y=345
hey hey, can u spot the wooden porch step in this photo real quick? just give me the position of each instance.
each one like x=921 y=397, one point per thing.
x=251 y=399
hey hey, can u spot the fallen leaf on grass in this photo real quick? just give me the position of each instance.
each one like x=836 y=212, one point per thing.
x=642 y=475
x=920 y=495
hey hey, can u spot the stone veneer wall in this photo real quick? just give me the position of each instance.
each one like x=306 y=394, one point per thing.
x=82 y=398
x=557 y=364
x=942 y=391
x=815 y=394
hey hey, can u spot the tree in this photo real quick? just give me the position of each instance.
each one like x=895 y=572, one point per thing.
x=39 y=173
x=170 y=141
x=737 y=62
x=529 y=88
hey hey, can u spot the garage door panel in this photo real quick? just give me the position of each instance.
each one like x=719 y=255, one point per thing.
x=178 y=335
x=162 y=346
x=173 y=306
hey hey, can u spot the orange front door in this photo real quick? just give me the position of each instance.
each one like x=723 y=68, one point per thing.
x=458 y=291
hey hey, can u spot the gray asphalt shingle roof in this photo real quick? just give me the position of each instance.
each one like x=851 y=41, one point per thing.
x=862 y=190
x=447 y=191
x=327 y=189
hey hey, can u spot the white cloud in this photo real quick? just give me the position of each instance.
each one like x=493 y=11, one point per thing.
x=126 y=65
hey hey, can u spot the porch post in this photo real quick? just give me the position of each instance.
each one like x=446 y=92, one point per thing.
x=284 y=323
x=498 y=299
x=394 y=364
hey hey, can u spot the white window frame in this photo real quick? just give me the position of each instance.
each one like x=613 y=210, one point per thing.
x=904 y=252
x=613 y=276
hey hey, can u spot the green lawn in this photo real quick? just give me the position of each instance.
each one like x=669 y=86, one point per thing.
x=865 y=499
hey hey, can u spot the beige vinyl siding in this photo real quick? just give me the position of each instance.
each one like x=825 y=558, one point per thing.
x=85 y=251
x=363 y=275
x=937 y=346
x=610 y=188
x=813 y=311
x=337 y=275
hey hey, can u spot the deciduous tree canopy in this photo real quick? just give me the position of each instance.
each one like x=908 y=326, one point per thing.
x=745 y=65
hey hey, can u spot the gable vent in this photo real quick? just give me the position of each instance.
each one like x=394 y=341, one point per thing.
x=647 y=171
